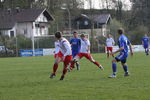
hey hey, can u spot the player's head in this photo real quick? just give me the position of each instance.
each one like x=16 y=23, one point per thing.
x=75 y=34
x=145 y=35
x=108 y=36
x=120 y=31
x=58 y=35
x=82 y=36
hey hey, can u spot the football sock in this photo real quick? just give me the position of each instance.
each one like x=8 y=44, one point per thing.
x=55 y=68
x=114 y=68
x=64 y=71
x=72 y=64
x=147 y=50
x=96 y=63
x=125 y=67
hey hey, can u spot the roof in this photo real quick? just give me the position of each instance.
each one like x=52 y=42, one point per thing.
x=101 y=18
x=8 y=18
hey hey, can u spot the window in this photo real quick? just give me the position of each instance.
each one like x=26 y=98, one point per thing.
x=11 y=33
x=25 y=31
x=86 y=22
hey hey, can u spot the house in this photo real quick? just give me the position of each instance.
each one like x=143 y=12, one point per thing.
x=28 y=22
x=83 y=24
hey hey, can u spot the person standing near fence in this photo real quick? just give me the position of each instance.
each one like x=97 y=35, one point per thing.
x=145 y=43
x=109 y=45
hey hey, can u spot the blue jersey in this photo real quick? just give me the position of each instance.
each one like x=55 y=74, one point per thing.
x=75 y=45
x=145 y=41
x=123 y=42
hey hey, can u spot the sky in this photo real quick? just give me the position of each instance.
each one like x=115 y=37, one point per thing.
x=98 y=5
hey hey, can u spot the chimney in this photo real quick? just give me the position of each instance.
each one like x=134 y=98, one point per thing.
x=17 y=9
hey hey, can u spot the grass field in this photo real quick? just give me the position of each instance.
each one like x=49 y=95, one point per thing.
x=28 y=79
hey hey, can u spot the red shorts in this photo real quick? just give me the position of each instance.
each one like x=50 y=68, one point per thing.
x=67 y=60
x=59 y=54
x=109 y=49
x=86 y=55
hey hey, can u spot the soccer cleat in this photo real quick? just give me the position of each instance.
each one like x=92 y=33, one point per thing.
x=112 y=76
x=126 y=74
x=147 y=54
x=52 y=76
x=101 y=67
x=78 y=66
x=62 y=78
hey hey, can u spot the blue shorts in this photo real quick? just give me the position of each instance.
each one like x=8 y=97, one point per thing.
x=122 y=57
x=145 y=46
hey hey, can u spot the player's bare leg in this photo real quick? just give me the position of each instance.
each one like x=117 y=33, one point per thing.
x=107 y=54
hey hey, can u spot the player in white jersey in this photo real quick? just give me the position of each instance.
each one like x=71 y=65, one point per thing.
x=58 y=58
x=65 y=48
x=85 y=52
x=109 y=45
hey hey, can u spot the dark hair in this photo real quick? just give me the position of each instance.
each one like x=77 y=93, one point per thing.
x=120 y=31
x=75 y=32
x=82 y=35
x=58 y=35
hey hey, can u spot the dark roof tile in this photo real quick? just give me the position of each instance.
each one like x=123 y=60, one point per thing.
x=8 y=18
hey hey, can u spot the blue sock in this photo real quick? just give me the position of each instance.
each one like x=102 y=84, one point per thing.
x=125 y=67
x=114 y=68
x=147 y=50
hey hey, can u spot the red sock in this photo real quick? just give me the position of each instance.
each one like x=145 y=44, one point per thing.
x=96 y=63
x=72 y=64
x=55 y=68
x=64 y=71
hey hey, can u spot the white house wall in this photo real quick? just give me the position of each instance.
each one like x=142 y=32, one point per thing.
x=7 y=32
x=41 y=31
x=25 y=28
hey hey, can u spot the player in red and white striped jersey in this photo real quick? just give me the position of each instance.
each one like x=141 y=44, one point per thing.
x=65 y=49
x=58 y=58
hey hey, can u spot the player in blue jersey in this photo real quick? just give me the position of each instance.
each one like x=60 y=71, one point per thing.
x=145 y=43
x=75 y=45
x=122 y=57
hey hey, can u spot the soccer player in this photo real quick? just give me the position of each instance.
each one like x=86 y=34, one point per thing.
x=65 y=48
x=75 y=45
x=122 y=57
x=109 y=45
x=145 y=43
x=85 y=52
x=58 y=58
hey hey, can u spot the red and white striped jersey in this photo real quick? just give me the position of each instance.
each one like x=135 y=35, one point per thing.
x=57 y=47
x=65 y=47
x=84 y=46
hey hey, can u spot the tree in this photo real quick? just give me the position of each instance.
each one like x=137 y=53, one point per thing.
x=140 y=13
x=114 y=26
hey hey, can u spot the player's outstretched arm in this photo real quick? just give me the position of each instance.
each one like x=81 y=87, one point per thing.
x=131 y=51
